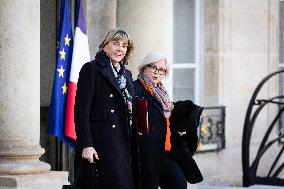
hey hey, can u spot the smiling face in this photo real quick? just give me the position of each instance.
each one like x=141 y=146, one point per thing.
x=156 y=71
x=116 y=49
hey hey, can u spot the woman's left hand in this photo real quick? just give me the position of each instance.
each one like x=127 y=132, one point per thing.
x=89 y=153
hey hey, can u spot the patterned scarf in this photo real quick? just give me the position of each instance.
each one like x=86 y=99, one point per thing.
x=159 y=93
x=119 y=73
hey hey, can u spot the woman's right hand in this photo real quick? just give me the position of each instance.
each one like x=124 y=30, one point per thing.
x=89 y=153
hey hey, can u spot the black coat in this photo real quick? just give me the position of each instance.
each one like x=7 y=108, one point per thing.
x=185 y=118
x=101 y=121
x=148 y=149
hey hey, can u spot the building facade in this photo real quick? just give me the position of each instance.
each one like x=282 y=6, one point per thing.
x=219 y=51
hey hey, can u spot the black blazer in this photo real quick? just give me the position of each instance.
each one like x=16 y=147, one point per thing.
x=101 y=121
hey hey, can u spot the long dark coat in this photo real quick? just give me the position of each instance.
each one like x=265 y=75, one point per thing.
x=101 y=121
x=148 y=150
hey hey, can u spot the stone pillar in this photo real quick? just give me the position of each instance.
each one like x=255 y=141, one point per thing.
x=210 y=52
x=150 y=24
x=20 y=99
x=100 y=18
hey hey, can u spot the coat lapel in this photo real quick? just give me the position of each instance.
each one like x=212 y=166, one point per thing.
x=159 y=106
x=109 y=75
x=129 y=83
x=155 y=102
x=107 y=71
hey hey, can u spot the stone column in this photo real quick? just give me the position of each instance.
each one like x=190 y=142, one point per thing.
x=100 y=18
x=210 y=64
x=20 y=99
x=150 y=24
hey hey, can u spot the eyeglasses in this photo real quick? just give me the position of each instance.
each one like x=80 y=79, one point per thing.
x=154 y=68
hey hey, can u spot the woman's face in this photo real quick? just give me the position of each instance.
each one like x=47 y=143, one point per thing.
x=116 y=50
x=156 y=71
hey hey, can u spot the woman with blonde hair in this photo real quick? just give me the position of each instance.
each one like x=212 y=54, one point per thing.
x=103 y=115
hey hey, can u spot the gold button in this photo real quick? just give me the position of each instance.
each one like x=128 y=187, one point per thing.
x=112 y=111
x=111 y=95
x=113 y=126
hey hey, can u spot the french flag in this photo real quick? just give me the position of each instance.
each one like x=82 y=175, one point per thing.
x=81 y=55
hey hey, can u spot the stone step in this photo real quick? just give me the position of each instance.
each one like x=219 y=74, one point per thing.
x=234 y=187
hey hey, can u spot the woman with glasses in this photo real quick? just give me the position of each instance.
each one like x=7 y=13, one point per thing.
x=153 y=167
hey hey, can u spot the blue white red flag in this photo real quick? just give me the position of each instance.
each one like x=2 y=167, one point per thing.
x=81 y=55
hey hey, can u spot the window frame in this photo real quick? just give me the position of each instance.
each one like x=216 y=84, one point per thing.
x=197 y=64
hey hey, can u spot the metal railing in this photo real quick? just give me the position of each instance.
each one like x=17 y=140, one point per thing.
x=250 y=168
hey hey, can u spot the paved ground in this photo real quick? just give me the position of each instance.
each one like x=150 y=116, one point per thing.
x=233 y=187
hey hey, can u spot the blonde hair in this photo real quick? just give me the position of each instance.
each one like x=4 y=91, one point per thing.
x=117 y=34
x=152 y=57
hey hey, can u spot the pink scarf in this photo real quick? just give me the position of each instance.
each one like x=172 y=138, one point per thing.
x=159 y=93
